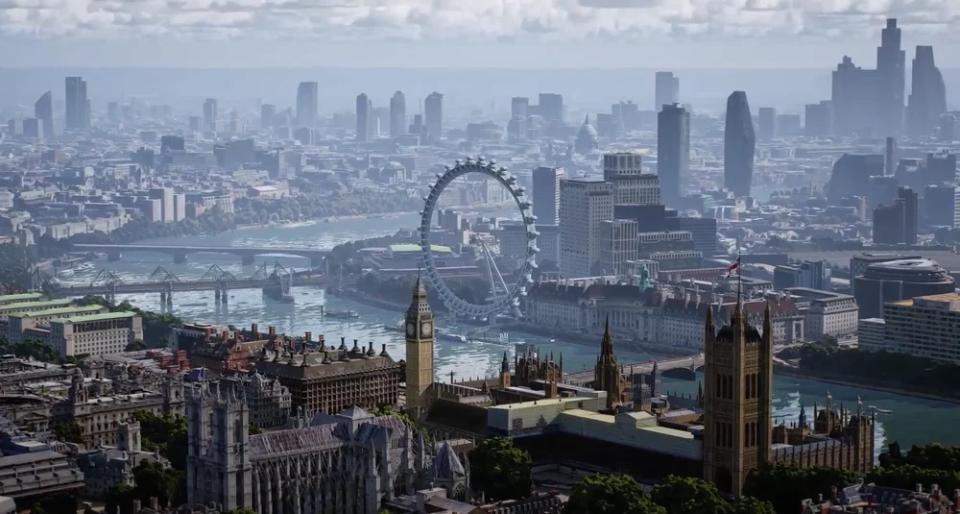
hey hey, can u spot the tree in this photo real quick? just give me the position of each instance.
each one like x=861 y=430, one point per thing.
x=135 y=346
x=751 y=505
x=610 y=494
x=68 y=431
x=167 y=434
x=686 y=495
x=785 y=487
x=55 y=504
x=155 y=481
x=500 y=469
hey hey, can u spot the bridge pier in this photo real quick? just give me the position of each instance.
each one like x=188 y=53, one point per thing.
x=246 y=258
x=179 y=257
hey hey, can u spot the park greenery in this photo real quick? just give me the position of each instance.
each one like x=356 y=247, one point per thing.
x=152 y=480
x=500 y=470
x=786 y=487
x=602 y=494
x=884 y=369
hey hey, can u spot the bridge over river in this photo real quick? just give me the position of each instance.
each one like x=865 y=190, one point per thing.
x=586 y=376
x=247 y=254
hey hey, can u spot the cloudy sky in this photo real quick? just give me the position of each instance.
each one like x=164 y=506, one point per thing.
x=470 y=33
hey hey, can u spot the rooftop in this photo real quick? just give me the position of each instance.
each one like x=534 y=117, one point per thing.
x=36 y=305
x=103 y=316
x=19 y=297
x=77 y=309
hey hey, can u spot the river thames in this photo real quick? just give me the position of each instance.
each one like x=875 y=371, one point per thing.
x=910 y=419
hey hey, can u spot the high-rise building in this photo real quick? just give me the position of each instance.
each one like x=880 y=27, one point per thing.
x=550 y=107
x=818 y=119
x=584 y=205
x=619 y=246
x=419 y=350
x=928 y=95
x=897 y=224
x=739 y=144
x=307 y=104
x=546 y=194
x=737 y=406
x=364 y=117
x=43 y=111
x=165 y=195
x=673 y=152
x=891 y=63
x=666 y=90
x=268 y=115
x=517 y=126
x=210 y=115
x=766 y=123
x=398 y=114
x=77 y=104
x=433 y=116
x=631 y=186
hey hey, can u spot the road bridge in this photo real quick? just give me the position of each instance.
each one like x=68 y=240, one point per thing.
x=586 y=376
x=247 y=254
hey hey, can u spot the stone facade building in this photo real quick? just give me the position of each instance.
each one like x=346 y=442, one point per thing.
x=347 y=463
x=98 y=415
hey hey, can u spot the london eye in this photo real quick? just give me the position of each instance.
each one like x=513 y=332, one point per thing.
x=503 y=297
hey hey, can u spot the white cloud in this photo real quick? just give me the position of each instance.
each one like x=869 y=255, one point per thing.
x=462 y=20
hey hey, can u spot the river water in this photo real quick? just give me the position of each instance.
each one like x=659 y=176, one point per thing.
x=911 y=420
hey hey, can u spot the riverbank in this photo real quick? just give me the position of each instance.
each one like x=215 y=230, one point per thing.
x=829 y=379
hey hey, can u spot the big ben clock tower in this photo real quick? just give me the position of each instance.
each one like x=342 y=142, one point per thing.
x=419 y=331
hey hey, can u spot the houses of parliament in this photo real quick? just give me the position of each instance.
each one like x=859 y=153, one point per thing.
x=352 y=461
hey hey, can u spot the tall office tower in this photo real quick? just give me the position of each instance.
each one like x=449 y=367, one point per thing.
x=398 y=114
x=737 y=412
x=631 y=186
x=517 y=126
x=666 y=90
x=210 y=115
x=43 y=111
x=419 y=354
x=546 y=194
x=853 y=95
x=268 y=115
x=165 y=196
x=673 y=152
x=550 y=107
x=77 y=104
x=584 y=205
x=818 y=119
x=433 y=116
x=307 y=104
x=928 y=95
x=364 y=117
x=897 y=224
x=766 y=123
x=619 y=246
x=890 y=76
x=890 y=156
x=739 y=144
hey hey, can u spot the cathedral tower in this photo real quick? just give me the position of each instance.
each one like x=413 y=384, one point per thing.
x=419 y=331
x=606 y=374
x=737 y=400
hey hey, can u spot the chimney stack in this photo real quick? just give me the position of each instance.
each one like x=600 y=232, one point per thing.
x=253 y=328
x=272 y=331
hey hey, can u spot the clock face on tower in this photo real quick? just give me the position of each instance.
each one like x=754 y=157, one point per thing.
x=411 y=330
x=426 y=329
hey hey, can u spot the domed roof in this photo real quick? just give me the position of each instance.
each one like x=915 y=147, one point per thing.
x=587 y=140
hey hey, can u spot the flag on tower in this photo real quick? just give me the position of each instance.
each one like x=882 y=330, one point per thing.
x=733 y=267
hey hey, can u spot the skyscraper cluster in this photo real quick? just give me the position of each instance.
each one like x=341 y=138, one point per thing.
x=870 y=102
x=374 y=122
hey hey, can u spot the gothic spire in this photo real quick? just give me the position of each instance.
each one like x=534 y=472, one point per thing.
x=505 y=364
x=606 y=345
